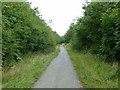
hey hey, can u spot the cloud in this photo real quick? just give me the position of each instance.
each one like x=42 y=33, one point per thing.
x=61 y=12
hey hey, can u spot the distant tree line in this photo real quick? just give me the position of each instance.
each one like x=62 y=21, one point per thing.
x=24 y=31
x=98 y=30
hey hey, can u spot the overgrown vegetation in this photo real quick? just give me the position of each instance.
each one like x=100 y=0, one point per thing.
x=98 y=30
x=25 y=73
x=96 y=37
x=92 y=71
x=24 y=31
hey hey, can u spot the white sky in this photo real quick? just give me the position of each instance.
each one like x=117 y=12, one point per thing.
x=61 y=12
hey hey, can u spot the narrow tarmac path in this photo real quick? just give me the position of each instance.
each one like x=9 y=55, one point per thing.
x=59 y=74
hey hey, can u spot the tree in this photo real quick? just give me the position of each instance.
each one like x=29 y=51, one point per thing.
x=24 y=31
x=98 y=30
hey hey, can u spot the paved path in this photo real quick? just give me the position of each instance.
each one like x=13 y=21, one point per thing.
x=59 y=74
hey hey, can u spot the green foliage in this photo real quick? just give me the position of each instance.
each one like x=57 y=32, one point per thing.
x=98 y=30
x=69 y=34
x=24 y=31
x=110 y=40
x=58 y=39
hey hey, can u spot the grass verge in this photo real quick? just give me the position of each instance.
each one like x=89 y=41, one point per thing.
x=0 y=78
x=92 y=71
x=27 y=71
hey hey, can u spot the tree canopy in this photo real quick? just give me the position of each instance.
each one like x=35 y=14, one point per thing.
x=24 y=31
x=98 y=30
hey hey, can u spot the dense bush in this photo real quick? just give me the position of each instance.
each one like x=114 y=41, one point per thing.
x=24 y=31
x=98 y=30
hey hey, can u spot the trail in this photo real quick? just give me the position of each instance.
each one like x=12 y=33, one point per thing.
x=59 y=74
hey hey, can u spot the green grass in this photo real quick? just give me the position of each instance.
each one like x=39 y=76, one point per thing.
x=92 y=71
x=27 y=71
x=0 y=78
